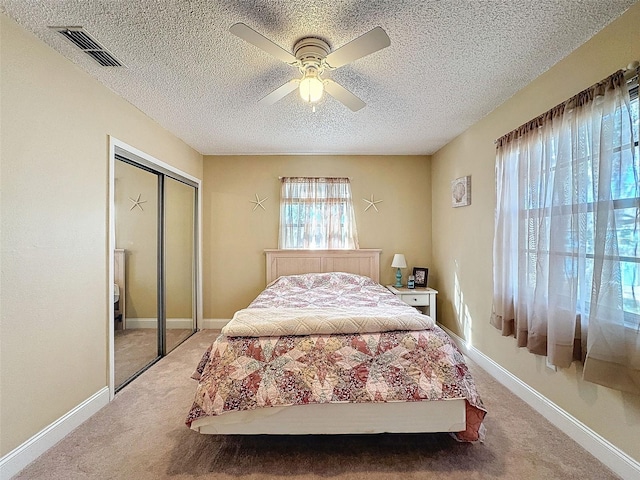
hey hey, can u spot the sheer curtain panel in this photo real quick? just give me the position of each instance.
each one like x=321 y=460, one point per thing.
x=566 y=266
x=317 y=213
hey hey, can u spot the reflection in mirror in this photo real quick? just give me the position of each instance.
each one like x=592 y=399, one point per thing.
x=179 y=223
x=136 y=227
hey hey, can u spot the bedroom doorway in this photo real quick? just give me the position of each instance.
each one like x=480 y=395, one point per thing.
x=155 y=232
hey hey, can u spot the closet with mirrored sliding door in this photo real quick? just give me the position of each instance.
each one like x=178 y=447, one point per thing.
x=155 y=231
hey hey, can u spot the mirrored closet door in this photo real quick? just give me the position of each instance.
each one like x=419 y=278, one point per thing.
x=154 y=265
x=179 y=252
x=136 y=319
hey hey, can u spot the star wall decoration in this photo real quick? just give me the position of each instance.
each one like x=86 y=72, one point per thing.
x=372 y=203
x=258 y=202
x=137 y=202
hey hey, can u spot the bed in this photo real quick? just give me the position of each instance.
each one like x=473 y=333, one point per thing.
x=326 y=349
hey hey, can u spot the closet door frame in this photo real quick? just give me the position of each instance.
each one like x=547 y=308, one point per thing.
x=118 y=148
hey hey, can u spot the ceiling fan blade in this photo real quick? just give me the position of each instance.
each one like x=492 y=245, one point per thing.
x=250 y=35
x=343 y=95
x=364 y=45
x=280 y=92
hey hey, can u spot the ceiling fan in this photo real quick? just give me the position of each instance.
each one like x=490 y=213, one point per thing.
x=312 y=57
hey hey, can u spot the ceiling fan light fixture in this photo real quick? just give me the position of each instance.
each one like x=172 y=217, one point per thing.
x=312 y=56
x=311 y=87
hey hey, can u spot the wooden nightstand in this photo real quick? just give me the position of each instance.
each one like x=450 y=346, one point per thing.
x=422 y=298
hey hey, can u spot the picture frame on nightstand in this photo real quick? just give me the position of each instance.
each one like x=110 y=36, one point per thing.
x=420 y=275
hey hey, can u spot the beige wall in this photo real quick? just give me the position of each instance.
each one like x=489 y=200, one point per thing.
x=55 y=123
x=179 y=252
x=462 y=240
x=137 y=233
x=235 y=235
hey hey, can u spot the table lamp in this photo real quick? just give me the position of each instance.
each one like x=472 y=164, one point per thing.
x=399 y=262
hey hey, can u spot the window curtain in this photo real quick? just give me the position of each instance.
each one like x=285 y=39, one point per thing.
x=317 y=213
x=566 y=224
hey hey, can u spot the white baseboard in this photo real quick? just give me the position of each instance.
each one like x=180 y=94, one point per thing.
x=184 y=323
x=204 y=324
x=614 y=458
x=213 y=323
x=42 y=441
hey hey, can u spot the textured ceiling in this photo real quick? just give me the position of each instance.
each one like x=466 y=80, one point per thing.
x=450 y=63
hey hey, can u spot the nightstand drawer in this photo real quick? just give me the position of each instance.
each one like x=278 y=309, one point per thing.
x=418 y=300
x=419 y=297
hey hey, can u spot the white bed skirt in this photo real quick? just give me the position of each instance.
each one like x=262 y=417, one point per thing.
x=342 y=418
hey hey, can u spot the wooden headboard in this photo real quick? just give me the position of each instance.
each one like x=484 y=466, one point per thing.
x=364 y=262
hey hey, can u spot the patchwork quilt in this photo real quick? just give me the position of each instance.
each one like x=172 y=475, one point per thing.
x=268 y=322
x=239 y=373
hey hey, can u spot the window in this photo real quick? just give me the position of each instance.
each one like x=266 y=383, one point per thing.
x=317 y=213
x=566 y=244
x=576 y=202
x=628 y=209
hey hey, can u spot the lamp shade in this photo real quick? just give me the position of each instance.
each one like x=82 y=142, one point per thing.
x=311 y=87
x=399 y=261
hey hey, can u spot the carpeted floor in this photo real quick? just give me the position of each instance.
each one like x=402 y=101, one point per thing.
x=141 y=435
x=135 y=348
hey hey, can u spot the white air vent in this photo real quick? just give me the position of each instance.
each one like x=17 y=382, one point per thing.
x=81 y=39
